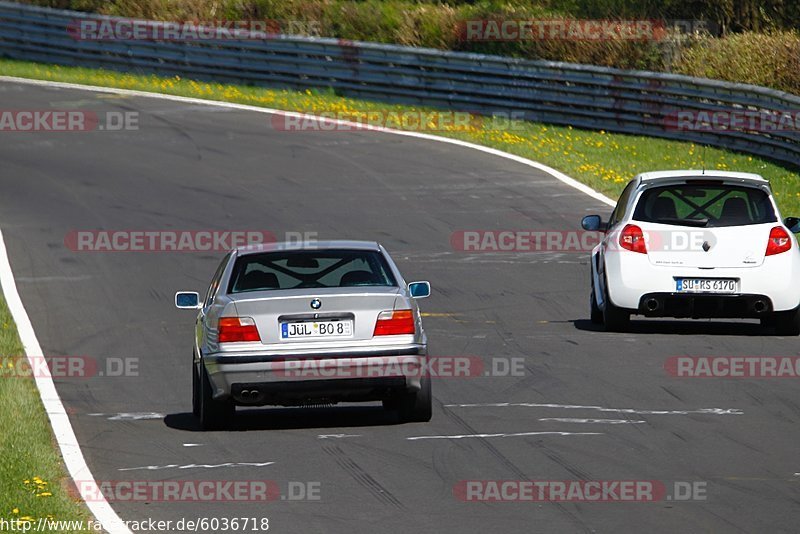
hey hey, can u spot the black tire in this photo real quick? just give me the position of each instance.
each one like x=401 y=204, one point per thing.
x=214 y=415
x=195 y=391
x=615 y=319
x=595 y=313
x=788 y=323
x=391 y=404
x=417 y=406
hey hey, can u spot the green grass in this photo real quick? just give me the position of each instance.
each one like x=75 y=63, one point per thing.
x=33 y=481
x=602 y=160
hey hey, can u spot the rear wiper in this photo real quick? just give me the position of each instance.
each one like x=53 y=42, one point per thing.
x=684 y=222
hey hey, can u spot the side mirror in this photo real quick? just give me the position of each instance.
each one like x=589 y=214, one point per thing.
x=793 y=224
x=419 y=290
x=593 y=223
x=187 y=300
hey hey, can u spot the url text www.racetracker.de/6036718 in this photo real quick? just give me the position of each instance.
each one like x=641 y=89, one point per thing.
x=199 y=524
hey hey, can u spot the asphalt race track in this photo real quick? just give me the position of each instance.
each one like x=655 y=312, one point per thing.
x=194 y=167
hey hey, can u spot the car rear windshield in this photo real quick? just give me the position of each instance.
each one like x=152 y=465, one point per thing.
x=310 y=269
x=705 y=205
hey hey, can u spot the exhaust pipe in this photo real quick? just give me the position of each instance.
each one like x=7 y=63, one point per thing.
x=759 y=306
x=249 y=395
x=651 y=304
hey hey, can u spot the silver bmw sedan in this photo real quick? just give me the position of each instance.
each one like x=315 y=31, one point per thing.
x=299 y=324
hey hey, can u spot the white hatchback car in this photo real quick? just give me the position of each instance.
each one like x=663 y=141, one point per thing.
x=696 y=244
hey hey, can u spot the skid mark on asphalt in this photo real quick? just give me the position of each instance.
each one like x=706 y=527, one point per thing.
x=40 y=279
x=762 y=479
x=491 y=448
x=518 y=473
x=572 y=467
x=701 y=411
x=344 y=461
x=195 y=466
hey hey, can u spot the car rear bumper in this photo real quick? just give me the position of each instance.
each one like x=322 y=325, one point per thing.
x=317 y=392
x=633 y=280
x=704 y=305
x=269 y=378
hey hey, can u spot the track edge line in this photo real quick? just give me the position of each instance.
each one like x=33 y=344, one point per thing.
x=71 y=453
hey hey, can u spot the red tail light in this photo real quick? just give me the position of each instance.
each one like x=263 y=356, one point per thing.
x=391 y=323
x=631 y=238
x=779 y=241
x=233 y=329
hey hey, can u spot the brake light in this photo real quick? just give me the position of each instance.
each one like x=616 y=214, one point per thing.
x=631 y=238
x=779 y=241
x=234 y=329
x=391 y=323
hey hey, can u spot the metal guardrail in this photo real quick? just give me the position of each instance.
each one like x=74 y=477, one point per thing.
x=632 y=102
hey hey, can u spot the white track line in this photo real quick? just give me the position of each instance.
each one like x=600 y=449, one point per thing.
x=513 y=435
x=126 y=416
x=196 y=466
x=338 y=436
x=65 y=436
x=67 y=442
x=592 y=421
x=702 y=411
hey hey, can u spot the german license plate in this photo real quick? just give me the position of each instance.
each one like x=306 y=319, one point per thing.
x=317 y=329
x=706 y=285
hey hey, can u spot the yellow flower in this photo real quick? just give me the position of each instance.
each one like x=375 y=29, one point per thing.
x=15 y=511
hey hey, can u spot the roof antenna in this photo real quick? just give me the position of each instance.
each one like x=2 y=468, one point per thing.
x=703 y=158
